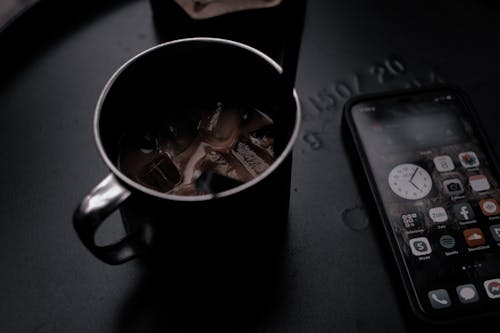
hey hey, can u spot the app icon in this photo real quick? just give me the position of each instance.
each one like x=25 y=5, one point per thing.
x=411 y=221
x=420 y=246
x=468 y=159
x=479 y=183
x=447 y=241
x=492 y=288
x=467 y=293
x=438 y=214
x=463 y=212
x=474 y=237
x=489 y=207
x=439 y=298
x=495 y=232
x=410 y=181
x=453 y=186
x=443 y=163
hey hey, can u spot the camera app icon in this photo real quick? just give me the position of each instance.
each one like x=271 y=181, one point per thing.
x=453 y=187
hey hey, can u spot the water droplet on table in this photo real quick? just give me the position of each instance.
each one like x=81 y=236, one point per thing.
x=355 y=218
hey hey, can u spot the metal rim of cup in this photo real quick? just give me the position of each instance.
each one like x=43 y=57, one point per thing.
x=204 y=197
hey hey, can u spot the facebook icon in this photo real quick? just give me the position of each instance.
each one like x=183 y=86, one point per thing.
x=463 y=212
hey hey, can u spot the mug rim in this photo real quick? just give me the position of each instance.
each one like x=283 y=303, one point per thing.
x=123 y=178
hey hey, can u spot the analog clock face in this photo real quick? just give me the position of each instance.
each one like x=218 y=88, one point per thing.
x=409 y=181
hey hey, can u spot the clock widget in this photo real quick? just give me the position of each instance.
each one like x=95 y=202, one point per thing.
x=410 y=181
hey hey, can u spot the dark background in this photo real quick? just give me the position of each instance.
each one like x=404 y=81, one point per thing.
x=334 y=275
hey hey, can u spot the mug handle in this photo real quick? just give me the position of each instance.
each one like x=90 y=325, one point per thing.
x=104 y=199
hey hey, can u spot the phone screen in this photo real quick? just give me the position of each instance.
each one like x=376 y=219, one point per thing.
x=440 y=193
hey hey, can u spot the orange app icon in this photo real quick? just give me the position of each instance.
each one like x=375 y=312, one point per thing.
x=489 y=207
x=474 y=237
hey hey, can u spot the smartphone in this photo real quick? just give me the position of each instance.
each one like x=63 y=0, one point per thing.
x=435 y=184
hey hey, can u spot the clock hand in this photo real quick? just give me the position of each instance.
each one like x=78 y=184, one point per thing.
x=411 y=179
x=413 y=175
x=415 y=185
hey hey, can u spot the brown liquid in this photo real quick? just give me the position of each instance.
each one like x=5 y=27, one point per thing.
x=231 y=141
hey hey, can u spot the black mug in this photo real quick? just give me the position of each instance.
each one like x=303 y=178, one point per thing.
x=170 y=77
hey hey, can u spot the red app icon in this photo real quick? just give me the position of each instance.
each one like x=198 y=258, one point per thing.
x=474 y=237
x=492 y=288
x=489 y=207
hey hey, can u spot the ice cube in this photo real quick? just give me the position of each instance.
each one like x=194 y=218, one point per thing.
x=176 y=136
x=187 y=189
x=220 y=127
x=190 y=161
x=264 y=139
x=227 y=165
x=254 y=159
x=160 y=174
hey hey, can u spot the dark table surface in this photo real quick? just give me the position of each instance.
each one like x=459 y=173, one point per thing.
x=336 y=274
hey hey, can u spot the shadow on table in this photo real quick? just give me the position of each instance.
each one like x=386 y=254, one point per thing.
x=210 y=282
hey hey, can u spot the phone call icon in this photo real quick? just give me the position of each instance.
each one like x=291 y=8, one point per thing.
x=439 y=298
